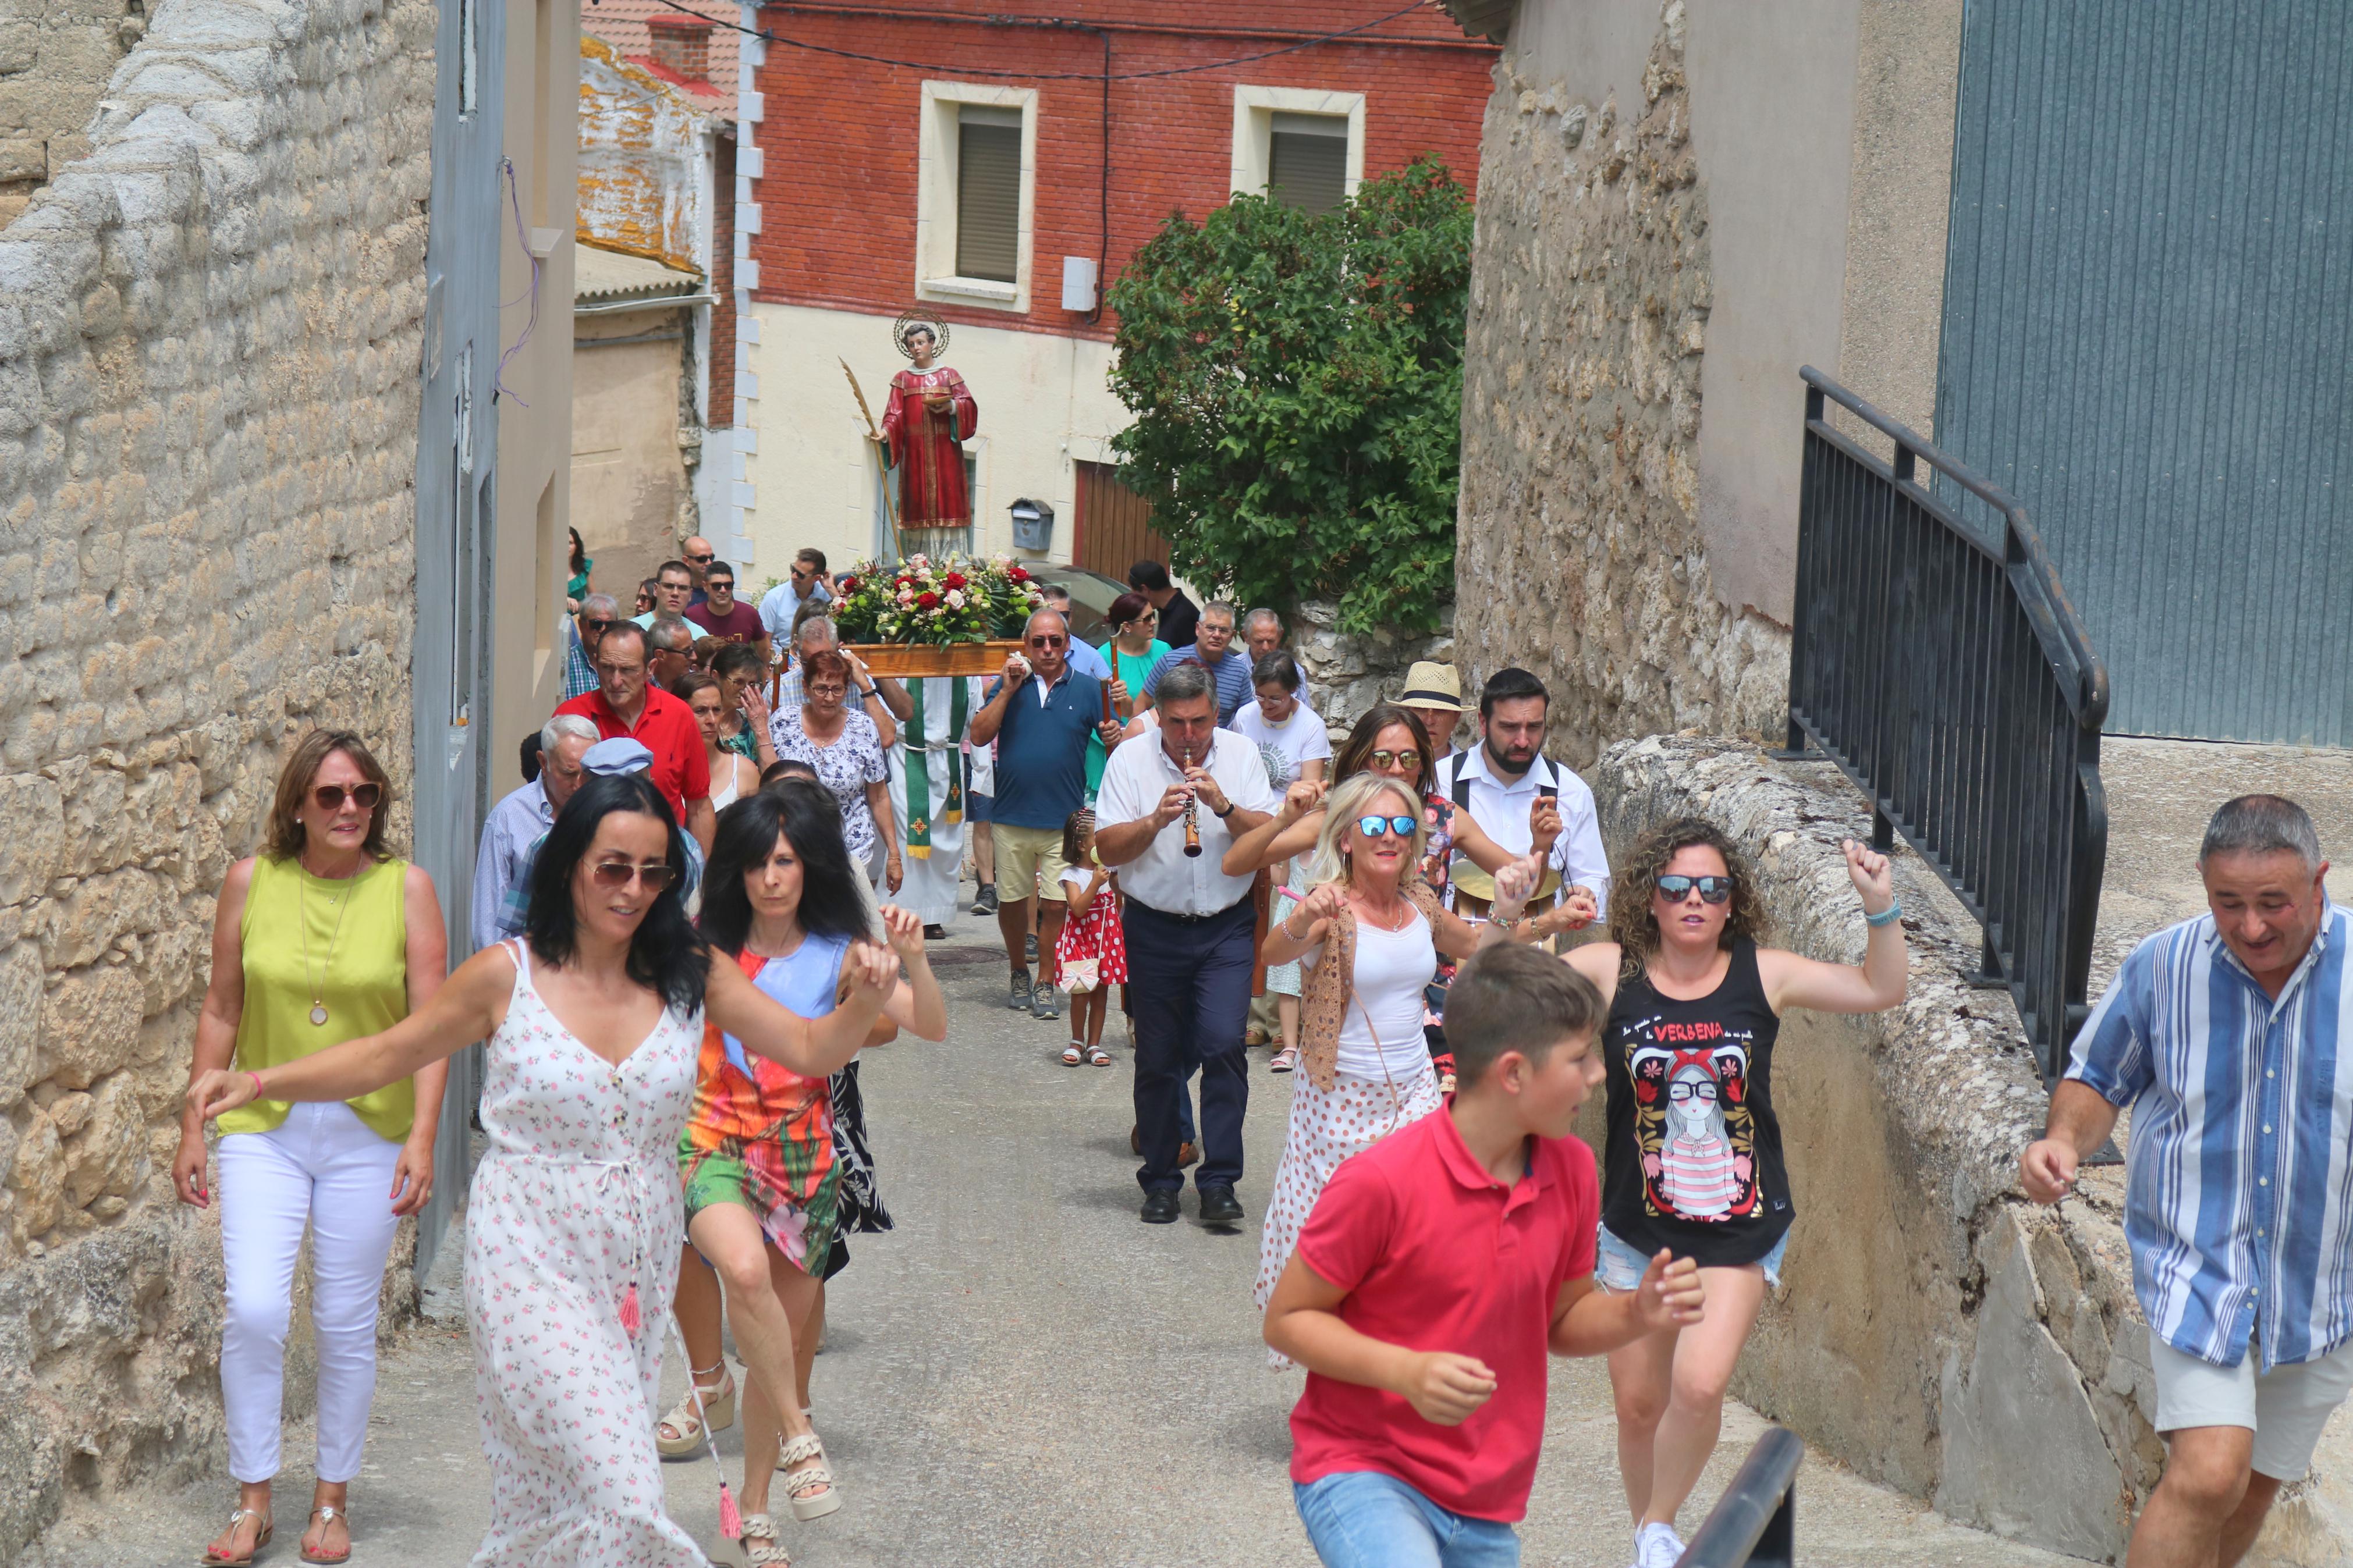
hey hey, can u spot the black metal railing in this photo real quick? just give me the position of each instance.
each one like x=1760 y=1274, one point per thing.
x=1755 y=1523
x=1937 y=660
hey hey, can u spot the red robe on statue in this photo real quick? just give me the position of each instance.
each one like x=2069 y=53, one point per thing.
x=926 y=448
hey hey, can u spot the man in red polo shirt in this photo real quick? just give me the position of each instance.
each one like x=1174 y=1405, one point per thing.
x=1439 y=1266
x=624 y=704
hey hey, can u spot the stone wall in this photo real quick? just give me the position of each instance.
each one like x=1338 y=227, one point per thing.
x=1350 y=672
x=54 y=59
x=1580 y=554
x=210 y=329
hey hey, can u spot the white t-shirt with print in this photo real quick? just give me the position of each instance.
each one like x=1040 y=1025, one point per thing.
x=1299 y=739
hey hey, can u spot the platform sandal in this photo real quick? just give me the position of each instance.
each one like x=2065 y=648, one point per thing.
x=330 y=1512
x=212 y=1559
x=718 y=1409
x=761 y=1547
x=817 y=1478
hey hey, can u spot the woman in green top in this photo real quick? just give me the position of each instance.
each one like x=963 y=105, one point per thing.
x=1131 y=652
x=578 y=588
x=322 y=937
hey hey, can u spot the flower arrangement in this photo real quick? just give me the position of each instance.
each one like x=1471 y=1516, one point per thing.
x=928 y=603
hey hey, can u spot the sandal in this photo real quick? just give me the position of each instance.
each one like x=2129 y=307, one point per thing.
x=212 y=1559
x=1097 y=1056
x=1074 y=1054
x=760 y=1547
x=799 y=1484
x=329 y=1513
x=679 y=1435
x=1283 y=1060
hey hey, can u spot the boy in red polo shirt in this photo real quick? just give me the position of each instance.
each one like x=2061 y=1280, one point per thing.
x=1439 y=1267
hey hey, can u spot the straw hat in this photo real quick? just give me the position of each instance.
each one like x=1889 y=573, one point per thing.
x=1429 y=684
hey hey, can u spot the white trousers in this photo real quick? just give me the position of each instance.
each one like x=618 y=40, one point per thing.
x=323 y=1167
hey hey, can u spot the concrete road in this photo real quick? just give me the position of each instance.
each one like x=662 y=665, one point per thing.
x=1022 y=1373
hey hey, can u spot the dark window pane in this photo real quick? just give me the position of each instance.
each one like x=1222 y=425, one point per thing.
x=988 y=201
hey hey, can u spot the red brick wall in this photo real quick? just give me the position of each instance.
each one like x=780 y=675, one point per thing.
x=722 y=284
x=838 y=202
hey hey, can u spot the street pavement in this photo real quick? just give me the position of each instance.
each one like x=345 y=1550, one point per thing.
x=1020 y=1374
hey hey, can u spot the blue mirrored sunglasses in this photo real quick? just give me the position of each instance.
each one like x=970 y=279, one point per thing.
x=1371 y=827
x=1711 y=890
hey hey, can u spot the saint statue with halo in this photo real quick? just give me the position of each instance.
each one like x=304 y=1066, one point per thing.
x=928 y=418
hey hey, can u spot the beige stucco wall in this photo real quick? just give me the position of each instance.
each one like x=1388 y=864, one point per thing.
x=210 y=330
x=629 y=478
x=534 y=477
x=1045 y=403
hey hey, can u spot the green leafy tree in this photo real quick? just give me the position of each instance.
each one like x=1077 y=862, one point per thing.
x=1297 y=385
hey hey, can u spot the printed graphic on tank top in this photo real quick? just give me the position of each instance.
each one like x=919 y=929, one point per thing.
x=1694 y=1151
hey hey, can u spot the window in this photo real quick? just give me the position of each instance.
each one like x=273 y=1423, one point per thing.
x=988 y=192
x=977 y=158
x=1298 y=145
x=1307 y=160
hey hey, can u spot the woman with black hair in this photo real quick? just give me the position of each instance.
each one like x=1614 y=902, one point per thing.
x=757 y=1156
x=594 y=1017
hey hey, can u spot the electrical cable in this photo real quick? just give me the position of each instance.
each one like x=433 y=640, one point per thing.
x=514 y=199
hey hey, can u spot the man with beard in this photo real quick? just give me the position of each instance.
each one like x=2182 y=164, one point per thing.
x=1517 y=794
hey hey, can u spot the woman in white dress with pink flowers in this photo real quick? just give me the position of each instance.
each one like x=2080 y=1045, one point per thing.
x=594 y=1019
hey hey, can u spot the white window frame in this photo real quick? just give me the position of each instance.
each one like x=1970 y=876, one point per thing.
x=1254 y=111
x=935 y=197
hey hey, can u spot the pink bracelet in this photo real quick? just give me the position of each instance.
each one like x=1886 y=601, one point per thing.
x=257 y=1083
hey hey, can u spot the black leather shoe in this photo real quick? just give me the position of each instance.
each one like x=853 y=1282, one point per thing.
x=1219 y=1207
x=1160 y=1206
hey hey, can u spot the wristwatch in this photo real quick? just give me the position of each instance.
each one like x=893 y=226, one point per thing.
x=1221 y=815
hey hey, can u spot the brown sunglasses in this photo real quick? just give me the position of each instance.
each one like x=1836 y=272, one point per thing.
x=620 y=874
x=330 y=797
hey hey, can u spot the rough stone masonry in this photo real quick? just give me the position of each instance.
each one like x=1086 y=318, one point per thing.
x=210 y=328
x=1579 y=553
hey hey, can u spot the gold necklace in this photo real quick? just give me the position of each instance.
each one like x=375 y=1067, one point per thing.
x=318 y=987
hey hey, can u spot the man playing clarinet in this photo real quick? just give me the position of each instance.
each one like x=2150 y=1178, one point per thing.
x=1170 y=805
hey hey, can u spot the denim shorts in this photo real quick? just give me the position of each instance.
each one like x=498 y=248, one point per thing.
x=1618 y=1267
x=1363 y=1519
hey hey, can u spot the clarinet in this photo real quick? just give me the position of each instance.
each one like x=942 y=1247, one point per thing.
x=1192 y=825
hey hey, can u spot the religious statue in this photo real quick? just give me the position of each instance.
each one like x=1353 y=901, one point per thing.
x=928 y=418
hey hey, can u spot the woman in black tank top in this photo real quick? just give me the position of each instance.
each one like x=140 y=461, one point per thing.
x=1692 y=1160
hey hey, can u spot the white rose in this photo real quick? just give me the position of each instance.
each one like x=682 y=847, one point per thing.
x=956 y=598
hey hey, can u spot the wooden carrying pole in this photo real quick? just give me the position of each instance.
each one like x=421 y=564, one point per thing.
x=890 y=501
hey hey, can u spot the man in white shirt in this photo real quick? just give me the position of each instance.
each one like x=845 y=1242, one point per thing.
x=1520 y=797
x=1190 y=931
x=809 y=579
x=512 y=833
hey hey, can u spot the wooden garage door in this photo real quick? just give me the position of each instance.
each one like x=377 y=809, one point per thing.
x=1114 y=527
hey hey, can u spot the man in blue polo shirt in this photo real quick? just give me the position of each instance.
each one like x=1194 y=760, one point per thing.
x=1213 y=649
x=1039 y=713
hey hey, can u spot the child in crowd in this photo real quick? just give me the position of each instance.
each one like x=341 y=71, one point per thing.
x=1090 y=956
x=1439 y=1267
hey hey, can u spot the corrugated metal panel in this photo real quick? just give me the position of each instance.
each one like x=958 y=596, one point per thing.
x=2149 y=340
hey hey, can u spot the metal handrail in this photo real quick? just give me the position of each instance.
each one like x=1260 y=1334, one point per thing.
x=1755 y=1523
x=1947 y=674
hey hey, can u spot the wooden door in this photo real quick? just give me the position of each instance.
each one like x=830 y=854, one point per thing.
x=1113 y=529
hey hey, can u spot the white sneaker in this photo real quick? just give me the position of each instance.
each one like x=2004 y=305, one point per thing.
x=1657 y=1545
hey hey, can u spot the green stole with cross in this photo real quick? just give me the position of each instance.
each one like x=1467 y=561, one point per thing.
x=919 y=766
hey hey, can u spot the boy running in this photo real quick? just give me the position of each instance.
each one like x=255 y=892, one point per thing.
x=1439 y=1267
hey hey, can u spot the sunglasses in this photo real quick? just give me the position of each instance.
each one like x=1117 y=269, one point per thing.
x=618 y=874
x=330 y=798
x=1049 y=642
x=601 y=628
x=1372 y=826
x=1711 y=890
x=702 y=559
x=1408 y=759
x=716 y=583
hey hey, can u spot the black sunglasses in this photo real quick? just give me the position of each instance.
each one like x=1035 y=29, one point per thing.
x=1711 y=890
x=601 y=628
x=728 y=583
x=701 y=560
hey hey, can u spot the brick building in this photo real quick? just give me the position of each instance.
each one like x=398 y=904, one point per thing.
x=998 y=170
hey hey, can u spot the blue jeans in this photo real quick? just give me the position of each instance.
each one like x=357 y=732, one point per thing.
x=1362 y=1519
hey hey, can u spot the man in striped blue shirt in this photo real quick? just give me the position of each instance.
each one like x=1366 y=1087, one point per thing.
x=599 y=613
x=2228 y=1036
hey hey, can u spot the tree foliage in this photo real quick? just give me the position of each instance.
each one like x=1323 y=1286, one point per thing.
x=1297 y=386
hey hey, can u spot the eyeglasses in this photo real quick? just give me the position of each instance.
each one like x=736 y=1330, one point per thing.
x=618 y=874
x=330 y=798
x=702 y=559
x=814 y=691
x=1399 y=827
x=716 y=583
x=1211 y=630
x=1690 y=1089
x=803 y=574
x=601 y=628
x=1408 y=759
x=1049 y=642
x=1711 y=890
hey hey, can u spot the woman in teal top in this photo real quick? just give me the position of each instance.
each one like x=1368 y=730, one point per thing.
x=1131 y=652
x=576 y=589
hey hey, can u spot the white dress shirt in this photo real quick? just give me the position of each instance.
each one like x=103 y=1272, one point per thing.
x=1502 y=809
x=1164 y=877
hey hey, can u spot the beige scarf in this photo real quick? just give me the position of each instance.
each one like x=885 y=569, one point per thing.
x=1325 y=989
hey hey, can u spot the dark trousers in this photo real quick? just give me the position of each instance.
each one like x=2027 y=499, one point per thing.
x=1191 y=981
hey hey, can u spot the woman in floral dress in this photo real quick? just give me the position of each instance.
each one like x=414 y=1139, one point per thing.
x=594 y=1019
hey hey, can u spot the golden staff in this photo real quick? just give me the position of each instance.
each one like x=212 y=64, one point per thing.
x=890 y=502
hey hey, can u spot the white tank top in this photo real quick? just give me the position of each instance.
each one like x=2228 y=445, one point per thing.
x=1386 y=1001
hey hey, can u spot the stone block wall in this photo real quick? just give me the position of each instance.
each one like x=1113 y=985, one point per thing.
x=210 y=329
x=55 y=57
x=1351 y=672
x=1580 y=554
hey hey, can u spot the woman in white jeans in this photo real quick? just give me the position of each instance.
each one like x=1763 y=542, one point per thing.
x=321 y=938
